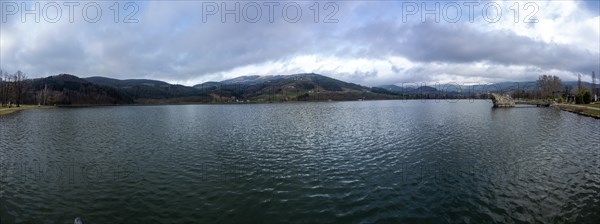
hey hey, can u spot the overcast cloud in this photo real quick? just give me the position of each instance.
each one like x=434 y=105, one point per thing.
x=371 y=43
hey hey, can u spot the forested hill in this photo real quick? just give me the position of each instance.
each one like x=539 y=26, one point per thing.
x=298 y=87
x=278 y=88
x=65 y=89
x=70 y=90
x=145 y=88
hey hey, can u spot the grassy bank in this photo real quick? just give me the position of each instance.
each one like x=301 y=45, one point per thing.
x=6 y=110
x=597 y=105
x=581 y=109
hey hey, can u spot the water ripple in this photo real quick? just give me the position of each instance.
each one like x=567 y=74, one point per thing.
x=350 y=162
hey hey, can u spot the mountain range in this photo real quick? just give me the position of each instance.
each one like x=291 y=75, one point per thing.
x=67 y=89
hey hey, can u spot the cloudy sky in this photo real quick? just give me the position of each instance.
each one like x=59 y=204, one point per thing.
x=366 y=42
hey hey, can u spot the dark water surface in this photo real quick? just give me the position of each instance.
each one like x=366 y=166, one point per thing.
x=337 y=162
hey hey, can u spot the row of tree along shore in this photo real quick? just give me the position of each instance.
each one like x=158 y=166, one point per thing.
x=12 y=88
x=551 y=88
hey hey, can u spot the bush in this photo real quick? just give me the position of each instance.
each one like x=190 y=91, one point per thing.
x=587 y=97
x=579 y=99
x=303 y=96
x=560 y=99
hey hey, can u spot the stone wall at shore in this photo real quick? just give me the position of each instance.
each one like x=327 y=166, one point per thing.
x=502 y=100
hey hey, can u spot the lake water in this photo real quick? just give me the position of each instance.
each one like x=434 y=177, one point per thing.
x=328 y=162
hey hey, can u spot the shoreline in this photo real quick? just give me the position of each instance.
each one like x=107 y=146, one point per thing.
x=6 y=111
x=580 y=110
x=247 y=103
x=593 y=112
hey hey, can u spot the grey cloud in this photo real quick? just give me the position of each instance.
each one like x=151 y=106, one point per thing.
x=179 y=44
x=455 y=43
x=396 y=69
x=172 y=43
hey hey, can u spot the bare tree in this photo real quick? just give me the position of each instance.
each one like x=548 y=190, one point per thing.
x=594 y=91
x=6 y=85
x=19 y=83
x=43 y=95
x=579 y=85
x=1 y=88
x=549 y=85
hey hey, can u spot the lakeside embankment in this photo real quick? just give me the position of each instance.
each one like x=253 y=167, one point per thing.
x=6 y=110
x=590 y=110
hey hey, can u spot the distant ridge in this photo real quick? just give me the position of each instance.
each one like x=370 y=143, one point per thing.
x=126 y=82
x=145 y=88
x=296 y=87
x=504 y=87
x=65 y=89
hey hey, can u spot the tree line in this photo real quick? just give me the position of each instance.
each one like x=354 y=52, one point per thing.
x=16 y=89
x=550 y=87
x=13 y=88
